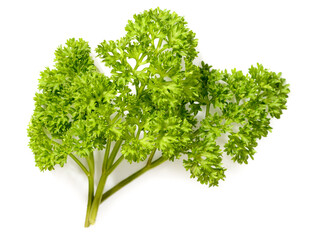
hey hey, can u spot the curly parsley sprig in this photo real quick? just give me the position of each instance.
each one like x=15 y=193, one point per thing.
x=151 y=103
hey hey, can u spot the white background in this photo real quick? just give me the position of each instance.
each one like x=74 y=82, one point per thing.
x=270 y=198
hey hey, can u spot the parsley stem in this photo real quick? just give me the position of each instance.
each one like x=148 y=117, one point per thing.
x=196 y=132
x=149 y=161
x=118 y=161
x=207 y=110
x=115 y=118
x=90 y=160
x=106 y=155
x=114 y=153
x=141 y=89
x=141 y=58
x=97 y=199
x=138 y=133
x=79 y=163
x=159 y=44
x=132 y=177
x=138 y=62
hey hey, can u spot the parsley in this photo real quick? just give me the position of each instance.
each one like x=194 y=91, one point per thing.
x=152 y=105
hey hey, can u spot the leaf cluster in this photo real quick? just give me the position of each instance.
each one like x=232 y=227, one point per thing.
x=152 y=101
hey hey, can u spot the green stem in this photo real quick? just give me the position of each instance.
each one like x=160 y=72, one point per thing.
x=138 y=133
x=90 y=160
x=115 y=118
x=207 y=109
x=149 y=161
x=115 y=164
x=90 y=198
x=132 y=177
x=114 y=153
x=159 y=44
x=196 y=132
x=97 y=199
x=107 y=150
x=138 y=62
x=79 y=163
x=141 y=89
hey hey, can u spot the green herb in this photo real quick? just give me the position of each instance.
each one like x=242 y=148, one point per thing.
x=151 y=103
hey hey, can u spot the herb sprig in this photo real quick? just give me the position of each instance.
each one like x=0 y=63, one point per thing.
x=151 y=102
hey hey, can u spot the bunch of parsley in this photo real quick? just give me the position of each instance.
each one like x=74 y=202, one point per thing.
x=151 y=105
